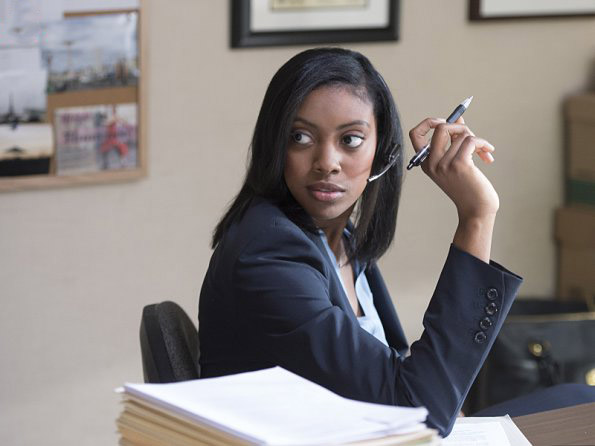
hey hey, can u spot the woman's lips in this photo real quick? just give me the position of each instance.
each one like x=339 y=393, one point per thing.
x=325 y=191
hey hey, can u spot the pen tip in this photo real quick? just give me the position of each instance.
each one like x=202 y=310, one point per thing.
x=467 y=101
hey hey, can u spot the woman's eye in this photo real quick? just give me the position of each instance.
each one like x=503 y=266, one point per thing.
x=300 y=138
x=352 y=141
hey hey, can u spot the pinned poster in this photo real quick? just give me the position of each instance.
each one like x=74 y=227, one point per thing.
x=95 y=138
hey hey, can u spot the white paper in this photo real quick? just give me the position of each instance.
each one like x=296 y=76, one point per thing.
x=21 y=20
x=274 y=406
x=484 y=434
x=22 y=12
x=485 y=431
x=20 y=59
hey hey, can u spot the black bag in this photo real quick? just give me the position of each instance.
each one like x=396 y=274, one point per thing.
x=541 y=343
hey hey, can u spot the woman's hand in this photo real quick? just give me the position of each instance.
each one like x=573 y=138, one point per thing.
x=450 y=165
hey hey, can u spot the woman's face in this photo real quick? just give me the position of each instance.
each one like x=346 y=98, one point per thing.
x=330 y=153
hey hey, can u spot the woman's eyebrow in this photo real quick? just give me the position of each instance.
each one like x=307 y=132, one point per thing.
x=305 y=121
x=348 y=124
x=356 y=122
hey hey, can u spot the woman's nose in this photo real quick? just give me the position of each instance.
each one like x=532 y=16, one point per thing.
x=326 y=159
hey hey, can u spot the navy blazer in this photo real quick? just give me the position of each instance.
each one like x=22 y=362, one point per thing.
x=271 y=297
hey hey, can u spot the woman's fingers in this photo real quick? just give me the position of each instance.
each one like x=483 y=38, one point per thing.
x=464 y=149
x=418 y=133
x=460 y=120
x=473 y=145
x=445 y=134
x=486 y=156
x=456 y=135
x=450 y=165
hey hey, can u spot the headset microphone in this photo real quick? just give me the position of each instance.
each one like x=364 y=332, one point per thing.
x=392 y=159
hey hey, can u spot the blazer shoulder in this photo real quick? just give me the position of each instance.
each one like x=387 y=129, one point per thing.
x=265 y=224
x=263 y=212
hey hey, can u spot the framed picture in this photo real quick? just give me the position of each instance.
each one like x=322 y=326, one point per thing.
x=297 y=22
x=523 y=9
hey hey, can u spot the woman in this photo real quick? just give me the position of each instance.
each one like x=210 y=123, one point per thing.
x=293 y=279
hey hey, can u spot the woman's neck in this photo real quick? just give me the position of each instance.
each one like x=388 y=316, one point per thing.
x=333 y=230
x=334 y=237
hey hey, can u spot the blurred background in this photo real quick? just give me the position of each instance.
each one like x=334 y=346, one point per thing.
x=77 y=264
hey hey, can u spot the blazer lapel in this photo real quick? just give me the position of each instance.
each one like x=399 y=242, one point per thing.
x=336 y=291
x=386 y=310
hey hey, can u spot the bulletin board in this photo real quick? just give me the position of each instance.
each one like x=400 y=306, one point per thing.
x=71 y=95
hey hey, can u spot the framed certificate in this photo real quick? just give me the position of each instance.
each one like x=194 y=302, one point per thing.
x=519 y=9
x=297 y=22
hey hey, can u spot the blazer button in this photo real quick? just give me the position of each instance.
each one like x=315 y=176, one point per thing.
x=491 y=308
x=480 y=337
x=485 y=323
x=492 y=293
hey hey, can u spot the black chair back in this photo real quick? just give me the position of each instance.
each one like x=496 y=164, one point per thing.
x=169 y=344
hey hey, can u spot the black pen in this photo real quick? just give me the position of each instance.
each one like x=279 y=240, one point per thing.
x=425 y=151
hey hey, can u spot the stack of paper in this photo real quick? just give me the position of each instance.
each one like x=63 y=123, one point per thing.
x=267 y=407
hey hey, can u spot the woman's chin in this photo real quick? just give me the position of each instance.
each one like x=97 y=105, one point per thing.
x=329 y=213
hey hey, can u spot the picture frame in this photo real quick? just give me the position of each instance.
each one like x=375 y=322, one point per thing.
x=258 y=23
x=481 y=10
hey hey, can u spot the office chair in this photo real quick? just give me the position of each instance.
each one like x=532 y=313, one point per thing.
x=169 y=344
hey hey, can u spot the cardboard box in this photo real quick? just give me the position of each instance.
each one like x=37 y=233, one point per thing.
x=575 y=233
x=580 y=114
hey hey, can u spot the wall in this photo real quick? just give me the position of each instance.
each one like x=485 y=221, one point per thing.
x=78 y=264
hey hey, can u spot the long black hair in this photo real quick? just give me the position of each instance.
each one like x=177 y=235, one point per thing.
x=375 y=219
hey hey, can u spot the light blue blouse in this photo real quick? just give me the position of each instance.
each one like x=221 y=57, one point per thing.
x=370 y=321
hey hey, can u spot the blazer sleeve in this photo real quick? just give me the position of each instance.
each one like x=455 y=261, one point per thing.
x=281 y=283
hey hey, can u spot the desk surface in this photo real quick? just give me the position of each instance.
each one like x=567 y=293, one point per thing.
x=568 y=426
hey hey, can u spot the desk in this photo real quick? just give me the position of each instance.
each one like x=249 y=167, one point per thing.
x=568 y=426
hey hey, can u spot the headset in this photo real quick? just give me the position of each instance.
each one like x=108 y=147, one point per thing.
x=392 y=159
